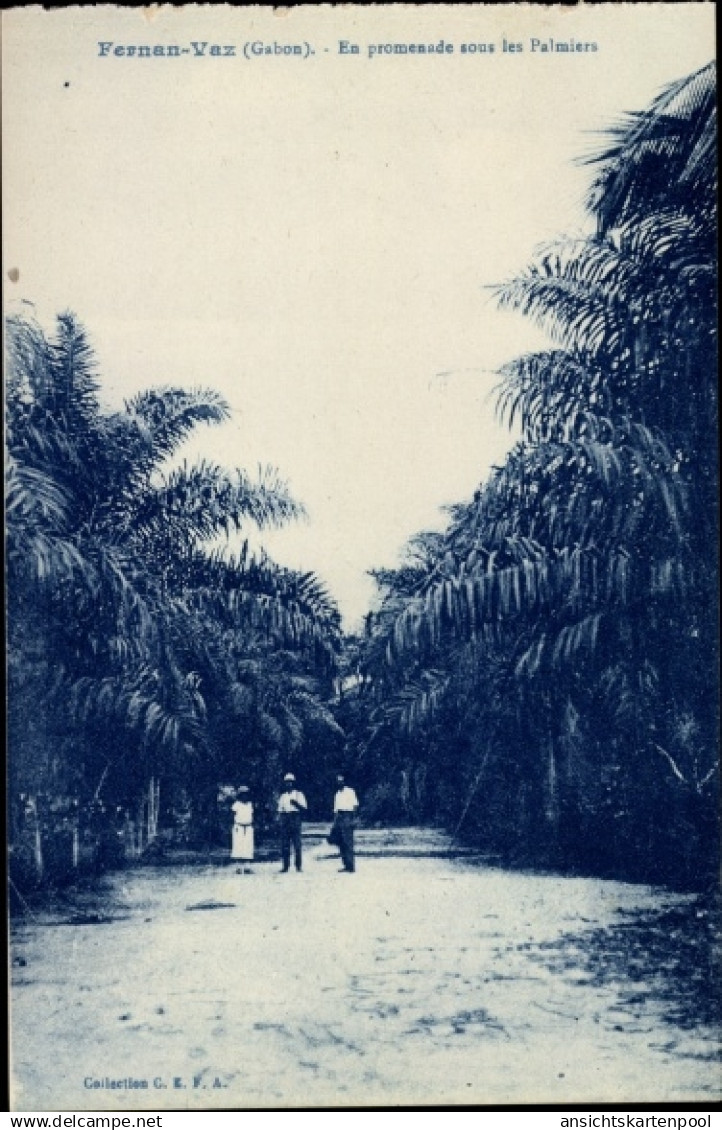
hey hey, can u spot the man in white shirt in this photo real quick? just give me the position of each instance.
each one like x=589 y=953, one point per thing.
x=345 y=806
x=291 y=807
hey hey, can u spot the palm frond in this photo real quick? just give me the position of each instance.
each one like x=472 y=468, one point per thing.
x=202 y=501
x=34 y=498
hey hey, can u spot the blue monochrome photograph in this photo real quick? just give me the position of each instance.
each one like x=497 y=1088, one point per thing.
x=361 y=557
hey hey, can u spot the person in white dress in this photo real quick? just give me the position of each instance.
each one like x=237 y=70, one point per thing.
x=242 y=833
x=291 y=810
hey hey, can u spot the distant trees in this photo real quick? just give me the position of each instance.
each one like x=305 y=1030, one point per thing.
x=137 y=656
x=554 y=654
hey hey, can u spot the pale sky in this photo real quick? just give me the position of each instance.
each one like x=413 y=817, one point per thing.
x=314 y=237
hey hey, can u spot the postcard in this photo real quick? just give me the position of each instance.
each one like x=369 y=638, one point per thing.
x=361 y=481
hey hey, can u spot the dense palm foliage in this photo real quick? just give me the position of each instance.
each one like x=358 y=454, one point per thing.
x=541 y=677
x=554 y=654
x=144 y=665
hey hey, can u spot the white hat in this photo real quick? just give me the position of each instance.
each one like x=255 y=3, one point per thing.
x=289 y=777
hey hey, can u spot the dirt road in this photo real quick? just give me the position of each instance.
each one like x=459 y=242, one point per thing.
x=426 y=977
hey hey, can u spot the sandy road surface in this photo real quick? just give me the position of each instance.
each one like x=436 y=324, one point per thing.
x=420 y=979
